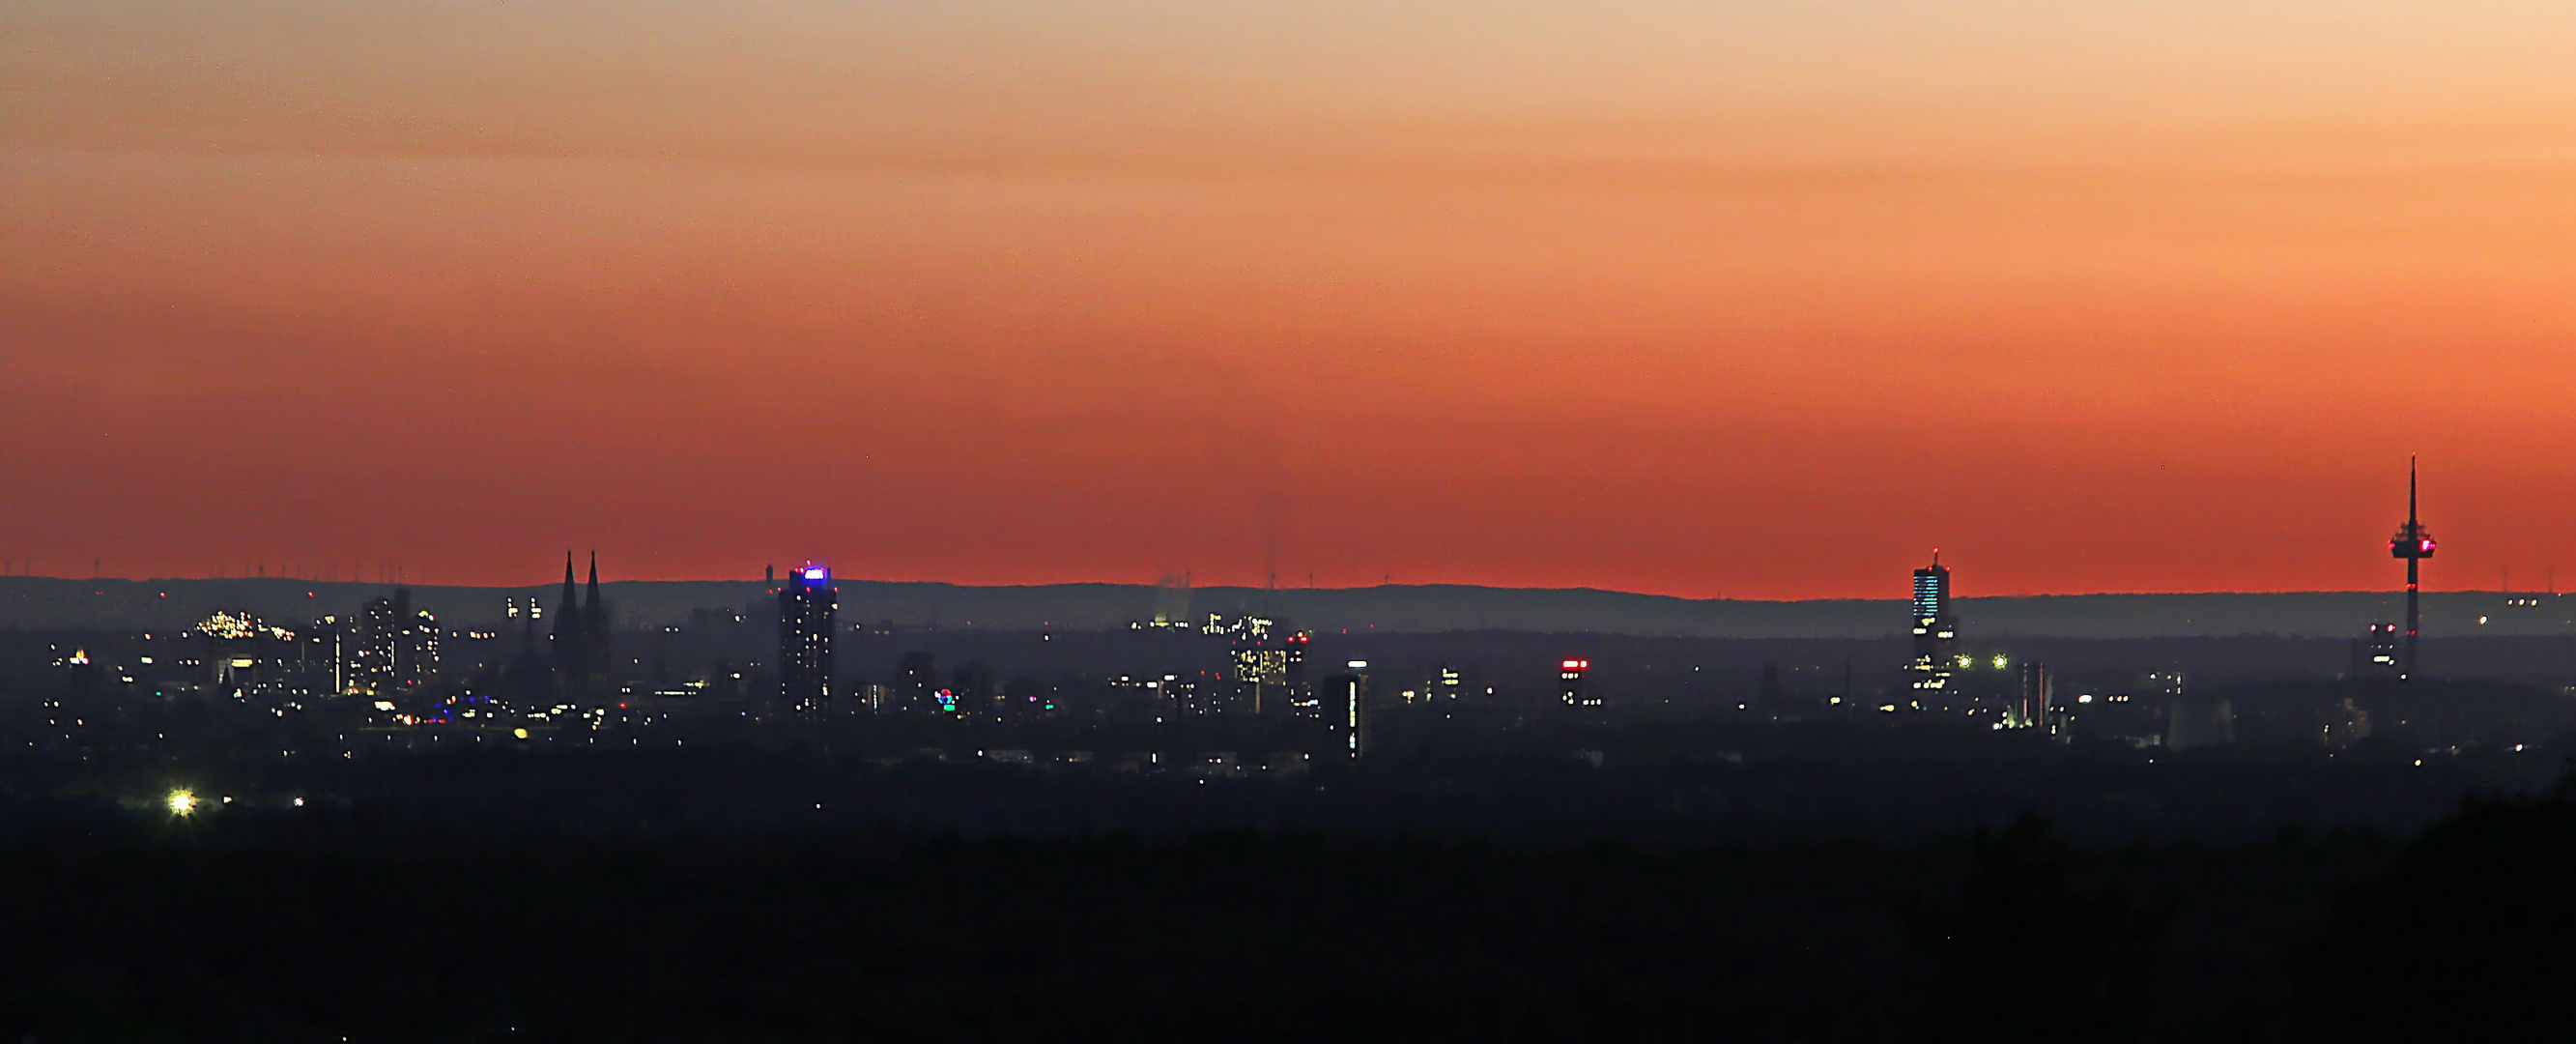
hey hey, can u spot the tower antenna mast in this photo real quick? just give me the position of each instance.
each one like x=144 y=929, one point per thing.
x=2414 y=544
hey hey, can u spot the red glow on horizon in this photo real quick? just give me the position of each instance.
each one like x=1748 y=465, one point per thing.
x=1698 y=300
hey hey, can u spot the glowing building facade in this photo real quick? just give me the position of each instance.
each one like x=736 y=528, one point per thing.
x=245 y=651
x=396 y=649
x=1936 y=633
x=1356 y=711
x=1269 y=665
x=807 y=607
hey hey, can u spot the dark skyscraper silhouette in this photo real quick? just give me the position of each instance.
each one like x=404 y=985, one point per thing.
x=917 y=682
x=806 y=606
x=2414 y=544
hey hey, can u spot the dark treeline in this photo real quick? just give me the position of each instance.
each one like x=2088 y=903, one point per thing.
x=373 y=923
x=1656 y=788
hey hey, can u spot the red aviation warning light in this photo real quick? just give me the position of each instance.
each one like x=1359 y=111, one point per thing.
x=1571 y=683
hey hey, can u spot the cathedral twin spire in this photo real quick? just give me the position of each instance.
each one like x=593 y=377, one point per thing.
x=581 y=644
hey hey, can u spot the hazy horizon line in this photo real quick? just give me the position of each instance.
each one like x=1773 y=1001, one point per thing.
x=1246 y=587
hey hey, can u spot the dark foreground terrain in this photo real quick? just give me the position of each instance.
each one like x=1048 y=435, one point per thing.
x=382 y=919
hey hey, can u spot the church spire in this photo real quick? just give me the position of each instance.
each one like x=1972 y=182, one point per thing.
x=598 y=661
x=568 y=632
x=567 y=611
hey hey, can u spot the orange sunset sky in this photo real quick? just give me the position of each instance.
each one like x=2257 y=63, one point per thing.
x=1760 y=299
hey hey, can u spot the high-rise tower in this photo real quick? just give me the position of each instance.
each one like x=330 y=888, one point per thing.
x=396 y=648
x=806 y=606
x=2414 y=544
x=1935 y=633
x=1357 y=710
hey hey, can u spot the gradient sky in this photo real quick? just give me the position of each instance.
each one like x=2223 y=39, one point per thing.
x=1762 y=300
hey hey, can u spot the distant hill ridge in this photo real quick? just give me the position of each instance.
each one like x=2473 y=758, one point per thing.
x=47 y=602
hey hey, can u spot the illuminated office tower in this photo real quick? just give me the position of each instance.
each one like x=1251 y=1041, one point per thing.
x=397 y=646
x=244 y=650
x=806 y=606
x=1936 y=634
x=1263 y=661
x=371 y=659
x=326 y=657
x=1356 y=711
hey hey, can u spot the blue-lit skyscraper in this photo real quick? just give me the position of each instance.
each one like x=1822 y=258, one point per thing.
x=807 y=605
x=1936 y=634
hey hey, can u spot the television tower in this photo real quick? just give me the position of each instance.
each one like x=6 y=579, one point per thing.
x=2413 y=544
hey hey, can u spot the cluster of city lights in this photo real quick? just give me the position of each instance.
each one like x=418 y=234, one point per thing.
x=241 y=625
